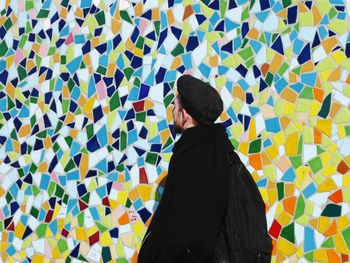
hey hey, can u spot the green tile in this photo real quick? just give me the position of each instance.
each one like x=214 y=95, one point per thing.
x=114 y=102
x=315 y=164
x=51 y=188
x=90 y=130
x=168 y=99
x=128 y=72
x=246 y=53
x=29 y=5
x=326 y=105
x=309 y=256
x=329 y=243
x=34 y=212
x=346 y=236
x=296 y=161
x=140 y=42
x=101 y=227
x=22 y=73
x=33 y=168
x=332 y=13
x=59 y=191
x=8 y=197
x=81 y=219
x=280 y=190
x=151 y=158
x=102 y=70
x=178 y=50
x=288 y=233
x=269 y=78
x=283 y=69
x=299 y=211
x=125 y=16
x=332 y=210
x=86 y=197
x=255 y=146
x=62 y=245
x=100 y=18
x=43 y=13
x=8 y=24
x=141 y=116
x=106 y=254
x=307 y=93
x=65 y=106
x=41 y=230
x=123 y=140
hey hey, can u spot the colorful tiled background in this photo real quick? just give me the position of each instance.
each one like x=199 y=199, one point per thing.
x=85 y=118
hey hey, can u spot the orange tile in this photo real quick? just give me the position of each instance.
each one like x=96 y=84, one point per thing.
x=337 y=196
x=284 y=164
x=264 y=68
x=213 y=61
x=255 y=161
x=253 y=34
x=84 y=165
x=302 y=7
x=79 y=12
x=318 y=94
x=283 y=13
x=348 y=79
x=265 y=158
x=284 y=122
x=342 y=167
x=333 y=256
x=188 y=12
x=124 y=219
x=63 y=13
x=134 y=194
x=316 y=15
x=47 y=142
x=43 y=167
x=94 y=42
x=289 y=204
x=313 y=222
x=289 y=189
x=276 y=62
x=87 y=60
x=293 y=78
x=176 y=63
x=238 y=92
x=171 y=18
x=317 y=136
x=289 y=95
x=334 y=109
x=335 y=75
x=155 y=14
x=329 y=43
x=332 y=229
x=308 y=67
x=138 y=9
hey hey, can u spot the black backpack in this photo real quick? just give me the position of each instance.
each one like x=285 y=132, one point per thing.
x=243 y=233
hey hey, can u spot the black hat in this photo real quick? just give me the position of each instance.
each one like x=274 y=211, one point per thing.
x=199 y=99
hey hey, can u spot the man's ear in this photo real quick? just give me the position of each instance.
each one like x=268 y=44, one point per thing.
x=185 y=115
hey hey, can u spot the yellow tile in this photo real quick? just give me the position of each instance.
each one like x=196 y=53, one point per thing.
x=279 y=138
x=325 y=126
x=327 y=185
x=324 y=223
x=286 y=247
x=138 y=228
x=343 y=222
x=145 y=192
x=291 y=143
x=81 y=233
x=329 y=170
x=346 y=180
x=326 y=158
x=19 y=231
x=285 y=218
x=340 y=244
x=272 y=194
x=338 y=56
x=38 y=258
x=315 y=108
x=243 y=147
x=105 y=239
x=320 y=255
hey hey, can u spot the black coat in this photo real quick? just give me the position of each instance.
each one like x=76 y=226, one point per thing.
x=185 y=225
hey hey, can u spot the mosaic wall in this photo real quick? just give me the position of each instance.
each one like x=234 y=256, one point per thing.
x=85 y=118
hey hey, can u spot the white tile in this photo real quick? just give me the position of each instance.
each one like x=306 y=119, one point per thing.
x=309 y=152
x=200 y=53
x=95 y=252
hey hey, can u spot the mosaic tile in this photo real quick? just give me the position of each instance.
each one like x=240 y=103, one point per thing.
x=85 y=119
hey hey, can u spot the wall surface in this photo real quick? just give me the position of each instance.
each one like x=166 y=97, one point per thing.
x=85 y=118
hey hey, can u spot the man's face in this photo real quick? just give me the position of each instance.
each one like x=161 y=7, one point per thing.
x=178 y=116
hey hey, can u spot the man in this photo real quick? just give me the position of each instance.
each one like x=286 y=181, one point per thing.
x=185 y=225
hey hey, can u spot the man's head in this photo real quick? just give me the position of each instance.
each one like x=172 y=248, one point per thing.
x=197 y=103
